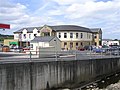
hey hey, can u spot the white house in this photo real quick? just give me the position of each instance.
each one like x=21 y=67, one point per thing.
x=48 y=43
x=25 y=35
x=109 y=42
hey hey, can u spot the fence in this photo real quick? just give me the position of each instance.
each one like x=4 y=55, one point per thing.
x=73 y=54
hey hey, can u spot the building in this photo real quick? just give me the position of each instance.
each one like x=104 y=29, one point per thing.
x=72 y=37
x=45 y=43
x=25 y=35
x=11 y=42
x=97 y=36
x=110 y=42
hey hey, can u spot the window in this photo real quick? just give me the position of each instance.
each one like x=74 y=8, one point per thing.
x=20 y=36
x=30 y=36
x=87 y=35
x=95 y=43
x=81 y=35
x=71 y=45
x=76 y=35
x=65 y=35
x=95 y=36
x=59 y=35
x=24 y=35
x=81 y=44
x=46 y=34
x=31 y=46
x=71 y=35
x=65 y=44
x=76 y=43
x=35 y=35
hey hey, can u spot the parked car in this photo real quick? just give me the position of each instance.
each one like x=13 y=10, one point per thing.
x=81 y=49
x=88 y=47
x=26 y=48
x=5 y=49
x=99 y=50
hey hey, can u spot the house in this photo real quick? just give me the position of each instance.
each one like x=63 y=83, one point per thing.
x=25 y=35
x=110 y=42
x=48 y=43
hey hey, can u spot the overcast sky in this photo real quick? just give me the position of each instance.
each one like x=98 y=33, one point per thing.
x=104 y=14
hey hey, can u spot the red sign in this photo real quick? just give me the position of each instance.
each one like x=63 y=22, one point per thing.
x=4 y=26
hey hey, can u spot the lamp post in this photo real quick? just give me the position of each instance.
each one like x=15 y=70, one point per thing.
x=55 y=48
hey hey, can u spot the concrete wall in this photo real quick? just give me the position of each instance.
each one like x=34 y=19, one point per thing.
x=39 y=75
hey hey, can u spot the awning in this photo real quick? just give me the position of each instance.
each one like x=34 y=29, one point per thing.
x=16 y=43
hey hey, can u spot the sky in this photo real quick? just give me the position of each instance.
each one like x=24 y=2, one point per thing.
x=104 y=14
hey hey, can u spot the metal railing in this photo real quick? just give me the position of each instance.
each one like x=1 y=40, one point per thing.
x=38 y=56
x=73 y=54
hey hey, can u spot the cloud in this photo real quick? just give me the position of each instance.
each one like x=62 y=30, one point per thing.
x=12 y=12
x=69 y=2
x=89 y=13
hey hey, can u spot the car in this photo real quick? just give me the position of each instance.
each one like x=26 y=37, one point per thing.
x=81 y=49
x=88 y=47
x=26 y=48
x=99 y=50
x=5 y=49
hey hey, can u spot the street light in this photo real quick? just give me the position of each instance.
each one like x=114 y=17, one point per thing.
x=55 y=45
x=55 y=48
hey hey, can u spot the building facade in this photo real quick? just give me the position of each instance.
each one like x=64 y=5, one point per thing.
x=72 y=37
x=110 y=42
x=48 y=43
x=97 y=36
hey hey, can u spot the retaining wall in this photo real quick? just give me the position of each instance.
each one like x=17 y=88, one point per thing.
x=42 y=75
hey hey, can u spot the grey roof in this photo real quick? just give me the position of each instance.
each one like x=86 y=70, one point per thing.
x=59 y=28
x=95 y=30
x=43 y=39
x=29 y=29
x=70 y=28
x=109 y=40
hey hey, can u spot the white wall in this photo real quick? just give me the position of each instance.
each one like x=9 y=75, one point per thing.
x=37 y=45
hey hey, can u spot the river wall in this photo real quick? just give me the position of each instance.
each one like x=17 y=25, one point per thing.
x=42 y=75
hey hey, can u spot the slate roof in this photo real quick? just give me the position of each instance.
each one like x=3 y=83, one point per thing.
x=43 y=39
x=29 y=29
x=59 y=28
x=70 y=28
x=95 y=30
x=109 y=40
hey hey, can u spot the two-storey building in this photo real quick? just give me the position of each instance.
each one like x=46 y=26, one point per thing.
x=25 y=35
x=97 y=36
x=71 y=36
